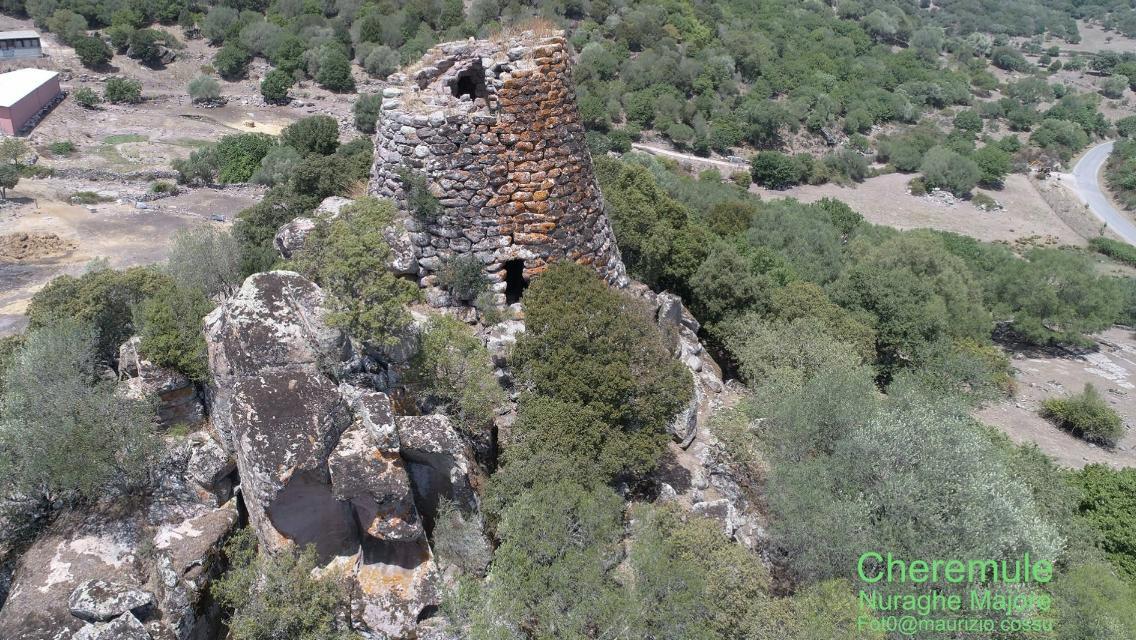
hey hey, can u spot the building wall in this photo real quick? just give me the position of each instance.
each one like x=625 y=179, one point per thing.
x=515 y=181
x=10 y=52
x=19 y=113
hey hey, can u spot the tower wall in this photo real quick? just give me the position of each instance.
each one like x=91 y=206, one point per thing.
x=507 y=161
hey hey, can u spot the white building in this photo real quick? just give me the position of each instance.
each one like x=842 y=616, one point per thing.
x=20 y=44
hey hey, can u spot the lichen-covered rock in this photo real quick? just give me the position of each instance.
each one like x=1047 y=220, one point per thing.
x=99 y=601
x=368 y=472
x=124 y=627
x=274 y=321
x=441 y=463
x=399 y=584
x=178 y=401
x=500 y=339
x=291 y=237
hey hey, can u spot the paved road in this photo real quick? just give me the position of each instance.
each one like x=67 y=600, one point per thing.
x=1086 y=175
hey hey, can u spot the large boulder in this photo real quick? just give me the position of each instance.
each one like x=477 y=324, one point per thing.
x=124 y=627
x=320 y=461
x=441 y=464
x=100 y=601
x=178 y=401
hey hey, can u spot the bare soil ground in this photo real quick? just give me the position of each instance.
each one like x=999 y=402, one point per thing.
x=1095 y=38
x=118 y=232
x=1041 y=375
x=1026 y=218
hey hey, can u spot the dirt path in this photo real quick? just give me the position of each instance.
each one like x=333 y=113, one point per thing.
x=1111 y=369
x=689 y=158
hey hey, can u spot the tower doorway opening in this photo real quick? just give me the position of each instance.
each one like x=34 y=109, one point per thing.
x=515 y=282
x=470 y=82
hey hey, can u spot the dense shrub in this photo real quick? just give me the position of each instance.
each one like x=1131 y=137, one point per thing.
x=93 y=52
x=463 y=277
x=102 y=298
x=1107 y=500
x=65 y=434
x=775 y=170
x=87 y=98
x=453 y=370
x=171 y=329
x=277 y=595
x=598 y=348
x=232 y=61
x=335 y=71
x=1115 y=249
x=122 y=90
x=1087 y=415
x=422 y=203
x=205 y=259
x=366 y=111
x=348 y=257
x=275 y=87
x=945 y=169
x=277 y=166
x=312 y=135
x=322 y=176
x=239 y=155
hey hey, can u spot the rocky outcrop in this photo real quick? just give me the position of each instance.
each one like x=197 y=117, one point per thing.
x=325 y=462
x=126 y=570
x=292 y=236
x=178 y=401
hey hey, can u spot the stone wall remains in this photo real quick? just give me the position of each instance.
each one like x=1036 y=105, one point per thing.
x=493 y=127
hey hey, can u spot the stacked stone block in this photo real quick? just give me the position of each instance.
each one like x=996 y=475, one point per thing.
x=493 y=127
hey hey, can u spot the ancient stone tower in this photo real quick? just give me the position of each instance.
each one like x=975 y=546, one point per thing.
x=491 y=129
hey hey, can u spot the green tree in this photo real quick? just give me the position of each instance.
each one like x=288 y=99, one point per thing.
x=587 y=344
x=204 y=88
x=122 y=90
x=948 y=170
x=993 y=164
x=276 y=596
x=277 y=166
x=335 y=71
x=275 y=87
x=205 y=259
x=348 y=257
x=239 y=155
x=147 y=46
x=314 y=134
x=453 y=369
x=366 y=110
x=102 y=298
x=92 y=51
x=322 y=176
x=775 y=170
x=232 y=61
x=171 y=329
x=9 y=178
x=65 y=434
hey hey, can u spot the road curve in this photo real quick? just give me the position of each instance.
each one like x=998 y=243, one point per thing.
x=1086 y=176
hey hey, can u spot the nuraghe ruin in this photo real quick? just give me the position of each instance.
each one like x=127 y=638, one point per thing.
x=492 y=126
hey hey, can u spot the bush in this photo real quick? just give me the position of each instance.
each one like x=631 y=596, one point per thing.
x=366 y=110
x=9 y=178
x=1091 y=596
x=93 y=52
x=348 y=257
x=381 y=61
x=146 y=45
x=453 y=369
x=171 y=329
x=1107 y=501
x=322 y=176
x=204 y=89
x=66 y=434
x=123 y=90
x=775 y=170
x=277 y=166
x=458 y=540
x=275 y=87
x=312 y=135
x=232 y=62
x=1115 y=249
x=993 y=164
x=87 y=98
x=421 y=202
x=205 y=259
x=945 y=169
x=598 y=348
x=239 y=155
x=984 y=202
x=102 y=298
x=463 y=277
x=162 y=186
x=276 y=596
x=61 y=148
x=1086 y=415
x=968 y=120
x=1060 y=136
x=335 y=71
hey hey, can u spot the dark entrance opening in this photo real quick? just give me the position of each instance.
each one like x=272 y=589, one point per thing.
x=470 y=82
x=515 y=282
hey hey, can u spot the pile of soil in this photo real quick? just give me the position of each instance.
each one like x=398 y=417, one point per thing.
x=22 y=247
